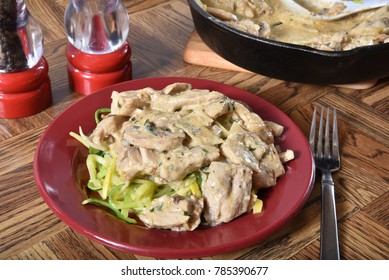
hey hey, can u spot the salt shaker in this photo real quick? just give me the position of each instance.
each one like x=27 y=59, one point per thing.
x=25 y=87
x=98 y=53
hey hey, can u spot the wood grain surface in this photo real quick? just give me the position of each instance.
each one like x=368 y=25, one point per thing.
x=159 y=33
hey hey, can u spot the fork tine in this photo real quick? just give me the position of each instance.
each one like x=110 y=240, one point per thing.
x=327 y=135
x=319 y=151
x=312 y=132
x=335 y=142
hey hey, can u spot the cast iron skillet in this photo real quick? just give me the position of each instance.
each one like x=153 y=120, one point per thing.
x=290 y=62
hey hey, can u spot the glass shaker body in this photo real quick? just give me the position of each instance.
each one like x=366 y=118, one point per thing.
x=25 y=87
x=98 y=52
x=96 y=26
x=21 y=42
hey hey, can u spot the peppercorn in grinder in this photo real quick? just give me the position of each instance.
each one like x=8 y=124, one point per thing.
x=25 y=87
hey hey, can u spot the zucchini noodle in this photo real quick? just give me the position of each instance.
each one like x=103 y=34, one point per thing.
x=120 y=196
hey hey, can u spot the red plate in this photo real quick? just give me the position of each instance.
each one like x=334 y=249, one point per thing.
x=58 y=155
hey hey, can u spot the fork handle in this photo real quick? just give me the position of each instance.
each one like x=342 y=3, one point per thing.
x=329 y=243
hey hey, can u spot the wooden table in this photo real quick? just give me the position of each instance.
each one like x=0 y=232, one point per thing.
x=159 y=33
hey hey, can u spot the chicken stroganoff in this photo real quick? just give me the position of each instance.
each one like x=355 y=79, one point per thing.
x=180 y=157
x=271 y=19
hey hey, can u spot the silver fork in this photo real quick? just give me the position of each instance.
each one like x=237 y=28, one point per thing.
x=328 y=162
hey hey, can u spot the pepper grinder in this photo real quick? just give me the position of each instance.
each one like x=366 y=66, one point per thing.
x=25 y=87
x=98 y=53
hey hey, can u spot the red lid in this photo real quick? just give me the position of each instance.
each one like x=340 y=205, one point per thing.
x=20 y=105
x=25 y=80
x=87 y=82
x=98 y=63
x=25 y=93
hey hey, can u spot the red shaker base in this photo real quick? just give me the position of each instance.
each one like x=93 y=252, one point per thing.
x=86 y=83
x=88 y=73
x=25 y=93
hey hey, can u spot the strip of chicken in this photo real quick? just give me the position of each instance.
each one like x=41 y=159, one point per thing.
x=244 y=148
x=124 y=103
x=253 y=122
x=178 y=163
x=136 y=161
x=226 y=192
x=148 y=135
x=270 y=168
x=176 y=213
x=186 y=100
x=108 y=130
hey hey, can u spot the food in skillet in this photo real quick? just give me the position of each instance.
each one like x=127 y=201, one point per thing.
x=270 y=19
x=180 y=157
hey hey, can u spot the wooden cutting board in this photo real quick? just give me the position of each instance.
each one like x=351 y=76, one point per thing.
x=198 y=53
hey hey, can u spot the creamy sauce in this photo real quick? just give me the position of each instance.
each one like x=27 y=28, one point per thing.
x=272 y=20
x=195 y=152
